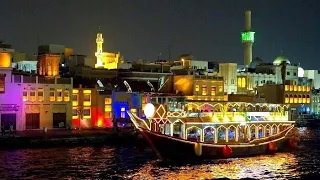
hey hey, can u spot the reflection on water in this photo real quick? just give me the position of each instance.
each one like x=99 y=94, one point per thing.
x=136 y=163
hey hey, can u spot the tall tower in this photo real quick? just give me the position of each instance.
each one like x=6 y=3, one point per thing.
x=99 y=53
x=247 y=38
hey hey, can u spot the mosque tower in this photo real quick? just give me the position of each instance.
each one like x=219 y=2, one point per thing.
x=247 y=39
x=99 y=53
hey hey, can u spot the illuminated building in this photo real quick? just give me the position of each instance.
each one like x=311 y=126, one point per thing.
x=247 y=39
x=93 y=107
x=61 y=50
x=297 y=95
x=194 y=87
x=108 y=60
x=315 y=76
x=315 y=101
x=248 y=82
x=48 y=64
x=229 y=73
x=186 y=64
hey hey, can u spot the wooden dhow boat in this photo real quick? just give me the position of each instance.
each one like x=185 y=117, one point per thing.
x=216 y=134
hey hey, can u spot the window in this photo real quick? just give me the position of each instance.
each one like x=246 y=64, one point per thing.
x=40 y=95
x=108 y=100
x=107 y=108
x=32 y=96
x=295 y=74
x=291 y=87
x=25 y=95
x=286 y=87
x=66 y=96
x=291 y=99
x=197 y=88
x=87 y=99
x=74 y=113
x=86 y=112
x=308 y=88
x=286 y=98
x=133 y=111
x=213 y=90
x=220 y=89
x=59 y=95
x=308 y=99
x=123 y=112
x=243 y=82
x=295 y=88
x=232 y=81
x=239 y=82
x=108 y=114
x=288 y=73
x=299 y=88
x=295 y=100
x=51 y=96
x=75 y=100
x=204 y=90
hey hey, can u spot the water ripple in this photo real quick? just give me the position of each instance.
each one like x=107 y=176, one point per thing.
x=137 y=163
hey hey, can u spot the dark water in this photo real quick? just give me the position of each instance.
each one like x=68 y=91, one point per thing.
x=136 y=163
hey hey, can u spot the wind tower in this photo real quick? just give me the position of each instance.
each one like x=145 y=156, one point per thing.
x=247 y=39
x=99 y=53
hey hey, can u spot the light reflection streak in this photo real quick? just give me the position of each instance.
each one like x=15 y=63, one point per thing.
x=260 y=167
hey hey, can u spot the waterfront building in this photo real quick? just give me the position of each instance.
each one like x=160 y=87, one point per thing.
x=229 y=73
x=315 y=101
x=297 y=95
x=315 y=76
x=194 y=87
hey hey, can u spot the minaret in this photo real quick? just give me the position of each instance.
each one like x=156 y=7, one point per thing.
x=98 y=54
x=247 y=38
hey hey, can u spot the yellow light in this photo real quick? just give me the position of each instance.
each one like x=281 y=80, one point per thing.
x=75 y=91
x=86 y=91
x=149 y=110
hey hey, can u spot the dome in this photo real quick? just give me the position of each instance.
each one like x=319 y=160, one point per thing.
x=300 y=72
x=256 y=61
x=281 y=59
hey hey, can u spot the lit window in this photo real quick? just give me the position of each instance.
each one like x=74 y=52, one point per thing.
x=304 y=88
x=86 y=112
x=133 y=111
x=213 y=91
x=204 y=90
x=291 y=87
x=40 y=95
x=239 y=82
x=286 y=99
x=295 y=88
x=295 y=99
x=32 y=96
x=197 y=88
x=299 y=88
x=108 y=108
x=75 y=100
x=243 y=82
x=291 y=99
x=299 y=99
x=107 y=114
x=308 y=99
x=52 y=96
x=25 y=95
x=59 y=95
x=286 y=87
x=123 y=113
x=87 y=99
x=108 y=100
x=66 y=96
x=308 y=88
x=74 y=113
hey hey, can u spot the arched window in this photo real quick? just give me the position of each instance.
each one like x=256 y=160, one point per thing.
x=303 y=98
x=286 y=98
x=295 y=99
x=291 y=98
x=243 y=82
x=299 y=98
x=308 y=98
x=239 y=82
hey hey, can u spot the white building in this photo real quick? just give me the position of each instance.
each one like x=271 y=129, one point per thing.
x=229 y=73
x=315 y=76
x=247 y=81
x=26 y=66
x=315 y=101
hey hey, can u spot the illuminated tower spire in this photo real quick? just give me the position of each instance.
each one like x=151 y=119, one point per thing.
x=247 y=38
x=99 y=52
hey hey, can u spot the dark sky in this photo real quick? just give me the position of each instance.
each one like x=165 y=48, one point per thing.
x=209 y=29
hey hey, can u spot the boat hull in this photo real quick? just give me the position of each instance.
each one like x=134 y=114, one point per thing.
x=174 y=148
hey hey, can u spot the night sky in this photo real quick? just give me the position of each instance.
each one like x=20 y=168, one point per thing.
x=209 y=29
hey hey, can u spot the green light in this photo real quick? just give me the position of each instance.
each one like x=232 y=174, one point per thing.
x=247 y=36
